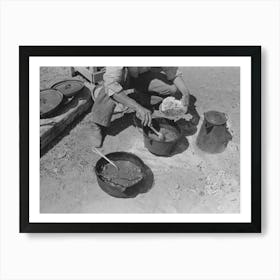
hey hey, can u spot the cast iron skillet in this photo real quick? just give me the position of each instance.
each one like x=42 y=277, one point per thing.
x=142 y=186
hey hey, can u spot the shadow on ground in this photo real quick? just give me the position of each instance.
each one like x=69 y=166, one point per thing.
x=120 y=124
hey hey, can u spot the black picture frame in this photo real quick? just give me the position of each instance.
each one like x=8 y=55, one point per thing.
x=25 y=52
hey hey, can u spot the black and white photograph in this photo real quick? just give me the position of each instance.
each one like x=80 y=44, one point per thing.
x=142 y=144
x=167 y=138
x=139 y=140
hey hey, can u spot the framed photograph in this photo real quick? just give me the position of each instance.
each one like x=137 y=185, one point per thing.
x=144 y=139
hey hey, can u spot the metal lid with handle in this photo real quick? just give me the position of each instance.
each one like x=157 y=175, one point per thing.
x=69 y=88
x=50 y=99
x=215 y=117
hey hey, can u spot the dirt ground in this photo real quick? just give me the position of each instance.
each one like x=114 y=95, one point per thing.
x=190 y=181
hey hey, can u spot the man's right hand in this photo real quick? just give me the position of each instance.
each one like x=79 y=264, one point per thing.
x=144 y=115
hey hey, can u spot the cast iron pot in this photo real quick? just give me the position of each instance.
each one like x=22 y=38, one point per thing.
x=69 y=88
x=121 y=191
x=158 y=147
x=50 y=102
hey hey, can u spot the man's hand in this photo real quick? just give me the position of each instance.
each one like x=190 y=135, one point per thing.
x=144 y=115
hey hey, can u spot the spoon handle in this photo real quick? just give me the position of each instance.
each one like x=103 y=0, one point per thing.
x=99 y=153
x=155 y=131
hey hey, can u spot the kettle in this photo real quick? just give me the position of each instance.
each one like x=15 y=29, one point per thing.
x=214 y=134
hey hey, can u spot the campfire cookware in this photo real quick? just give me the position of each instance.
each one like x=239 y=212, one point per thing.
x=214 y=135
x=162 y=147
x=69 y=88
x=50 y=100
x=121 y=191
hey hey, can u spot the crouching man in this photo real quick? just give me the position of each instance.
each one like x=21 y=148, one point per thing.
x=133 y=87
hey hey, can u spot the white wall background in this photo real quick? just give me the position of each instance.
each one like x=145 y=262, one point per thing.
x=123 y=256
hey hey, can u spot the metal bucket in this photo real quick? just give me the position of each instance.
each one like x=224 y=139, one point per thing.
x=214 y=135
x=120 y=191
x=158 y=147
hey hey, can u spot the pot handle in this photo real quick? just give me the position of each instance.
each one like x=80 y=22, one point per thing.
x=208 y=127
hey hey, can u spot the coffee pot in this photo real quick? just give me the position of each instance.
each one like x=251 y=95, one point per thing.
x=214 y=134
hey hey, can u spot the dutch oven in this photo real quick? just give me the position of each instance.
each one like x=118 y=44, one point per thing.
x=122 y=191
x=69 y=88
x=161 y=147
x=50 y=100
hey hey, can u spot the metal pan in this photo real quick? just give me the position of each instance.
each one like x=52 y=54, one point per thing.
x=141 y=186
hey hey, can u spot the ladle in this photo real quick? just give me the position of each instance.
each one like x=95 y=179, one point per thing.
x=159 y=134
x=99 y=153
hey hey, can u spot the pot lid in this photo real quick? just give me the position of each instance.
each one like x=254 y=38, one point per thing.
x=50 y=99
x=69 y=87
x=215 y=117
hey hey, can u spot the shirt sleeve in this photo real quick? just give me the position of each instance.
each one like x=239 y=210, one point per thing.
x=172 y=72
x=112 y=80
